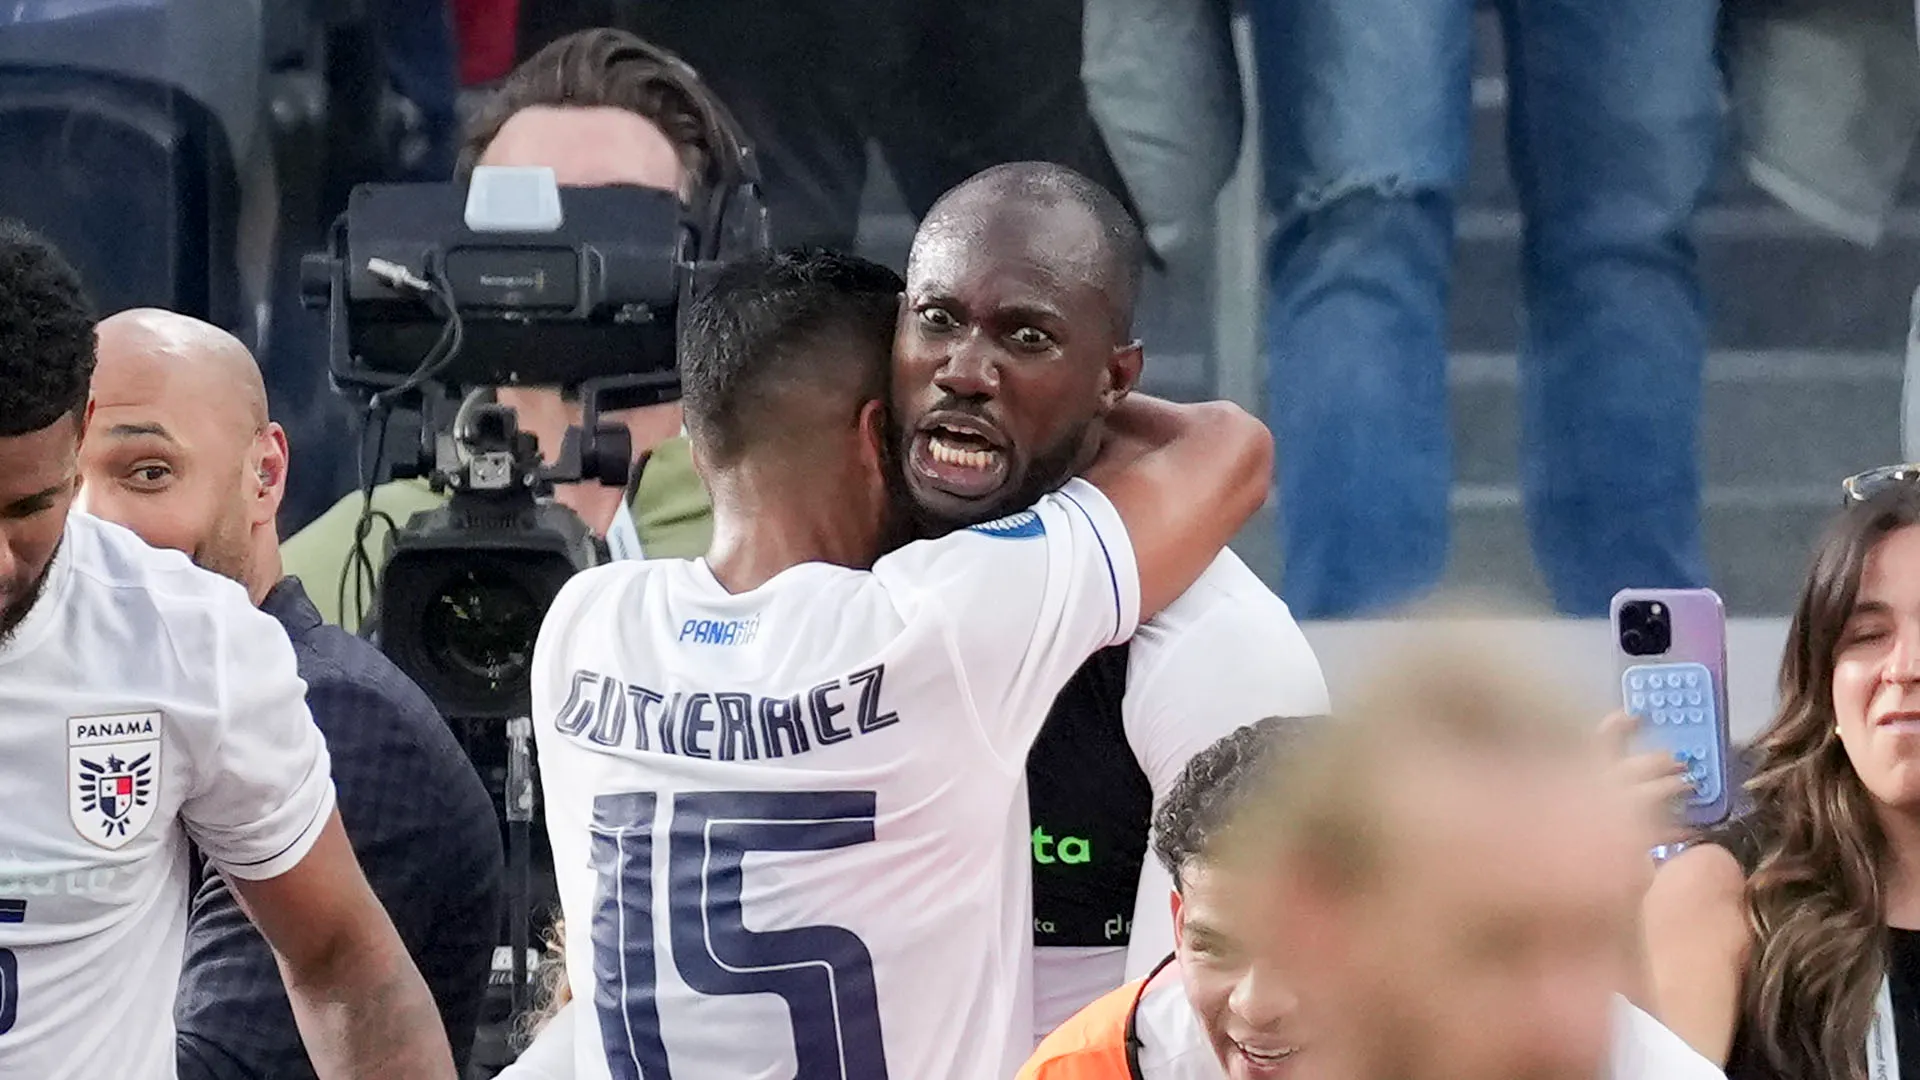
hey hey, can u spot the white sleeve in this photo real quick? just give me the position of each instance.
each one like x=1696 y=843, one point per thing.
x=1022 y=602
x=1246 y=659
x=264 y=793
x=550 y=1057
x=549 y=670
x=1644 y=1049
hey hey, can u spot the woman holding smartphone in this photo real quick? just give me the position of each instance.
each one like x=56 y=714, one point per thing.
x=1787 y=944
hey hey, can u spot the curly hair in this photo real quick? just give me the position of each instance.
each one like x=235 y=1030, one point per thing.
x=46 y=334
x=1215 y=786
x=1816 y=899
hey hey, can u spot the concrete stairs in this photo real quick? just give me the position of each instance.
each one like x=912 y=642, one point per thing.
x=1803 y=383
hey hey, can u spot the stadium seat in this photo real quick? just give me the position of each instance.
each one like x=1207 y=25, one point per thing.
x=133 y=181
x=124 y=122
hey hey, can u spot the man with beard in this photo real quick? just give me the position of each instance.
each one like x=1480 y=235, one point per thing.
x=180 y=450
x=144 y=703
x=1015 y=341
x=826 y=758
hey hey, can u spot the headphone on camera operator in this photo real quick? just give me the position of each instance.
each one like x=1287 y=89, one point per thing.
x=439 y=293
x=724 y=218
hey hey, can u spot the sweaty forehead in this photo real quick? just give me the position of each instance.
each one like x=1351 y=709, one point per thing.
x=978 y=246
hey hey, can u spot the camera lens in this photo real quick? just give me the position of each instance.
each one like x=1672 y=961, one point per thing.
x=1645 y=628
x=483 y=624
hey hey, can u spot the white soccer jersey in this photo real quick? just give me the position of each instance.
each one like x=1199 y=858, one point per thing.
x=1226 y=653
x=789 y=825
x=143 y=701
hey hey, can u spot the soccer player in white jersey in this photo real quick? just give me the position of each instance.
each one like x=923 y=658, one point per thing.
x=784 y=790
x=1034 y=259
x=145 y=703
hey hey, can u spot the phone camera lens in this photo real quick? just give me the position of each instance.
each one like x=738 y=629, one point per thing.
x=1646 y=628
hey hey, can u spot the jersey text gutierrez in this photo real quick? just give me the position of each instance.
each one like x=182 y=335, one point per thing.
x=723 y=725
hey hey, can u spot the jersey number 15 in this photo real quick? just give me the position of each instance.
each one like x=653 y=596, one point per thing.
x=9 y=990
x=823 y=973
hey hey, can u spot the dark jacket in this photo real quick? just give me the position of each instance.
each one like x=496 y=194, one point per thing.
x=424 y=829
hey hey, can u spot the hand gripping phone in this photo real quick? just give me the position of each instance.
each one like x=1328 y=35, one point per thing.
x=1670 y=646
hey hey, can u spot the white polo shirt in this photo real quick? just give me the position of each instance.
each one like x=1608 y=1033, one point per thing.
x=143 y=703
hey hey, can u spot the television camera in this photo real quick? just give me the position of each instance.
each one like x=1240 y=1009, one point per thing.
x=436 y=295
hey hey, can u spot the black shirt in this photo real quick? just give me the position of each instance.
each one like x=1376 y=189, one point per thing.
x=1745 y=1058
x=1091 y=806
x=424 y=829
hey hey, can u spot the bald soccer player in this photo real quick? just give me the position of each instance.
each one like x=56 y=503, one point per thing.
x=179 y=449
x=1014 y=343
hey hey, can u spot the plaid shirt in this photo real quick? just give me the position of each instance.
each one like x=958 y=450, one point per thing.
x=424 y=829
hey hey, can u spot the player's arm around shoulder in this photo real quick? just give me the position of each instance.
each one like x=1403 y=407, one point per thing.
x=1223 y=655
x=1697 y=940
x=1184 y=479
x=1015 y=606
x=263 y=811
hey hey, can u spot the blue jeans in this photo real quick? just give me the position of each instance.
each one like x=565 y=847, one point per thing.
x=1613 y=134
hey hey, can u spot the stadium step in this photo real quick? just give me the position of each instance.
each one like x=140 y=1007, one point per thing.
x=1759 y=540
x=1777 y=416
x=1803 y=386
x=1577 y=652
x=1773 y=281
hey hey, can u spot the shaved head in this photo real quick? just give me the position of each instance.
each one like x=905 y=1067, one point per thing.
x=1104 y=248
x=179 y=447
x=1015 y=340
x=148 y=343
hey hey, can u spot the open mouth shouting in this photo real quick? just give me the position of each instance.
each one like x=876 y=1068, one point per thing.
x=959 y=455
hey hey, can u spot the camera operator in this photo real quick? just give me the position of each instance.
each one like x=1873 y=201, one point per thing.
x=598 y=107
x=179 y=449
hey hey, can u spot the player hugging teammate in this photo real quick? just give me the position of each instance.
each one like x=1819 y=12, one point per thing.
x=865 y=791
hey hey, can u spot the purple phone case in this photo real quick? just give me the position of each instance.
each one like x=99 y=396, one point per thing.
x=1699 y=624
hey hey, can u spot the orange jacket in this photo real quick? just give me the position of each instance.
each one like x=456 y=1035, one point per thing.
x=1092 y=1044
x=1146 y=1030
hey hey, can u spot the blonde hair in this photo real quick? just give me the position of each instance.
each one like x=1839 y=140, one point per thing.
x=1327 y=807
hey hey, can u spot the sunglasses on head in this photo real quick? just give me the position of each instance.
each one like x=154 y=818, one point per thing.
x=1865 y=485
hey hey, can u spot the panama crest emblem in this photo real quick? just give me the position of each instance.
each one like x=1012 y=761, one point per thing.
x=113 y=775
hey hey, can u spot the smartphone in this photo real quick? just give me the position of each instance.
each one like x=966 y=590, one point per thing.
x=1670 y=646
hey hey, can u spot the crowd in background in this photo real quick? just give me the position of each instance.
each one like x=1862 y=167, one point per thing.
x=1445 y=859
x=1619 y=120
